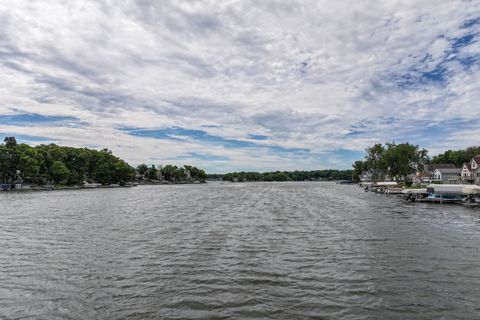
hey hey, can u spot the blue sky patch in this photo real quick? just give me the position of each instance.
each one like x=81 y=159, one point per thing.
x=416 y=76
x=257 y=137
x=23 y=119
x=470 y=23
x=177 y=133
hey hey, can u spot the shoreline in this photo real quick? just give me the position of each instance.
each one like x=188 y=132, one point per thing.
x=70 y=188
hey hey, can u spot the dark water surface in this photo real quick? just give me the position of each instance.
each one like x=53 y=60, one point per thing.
x=236 y=251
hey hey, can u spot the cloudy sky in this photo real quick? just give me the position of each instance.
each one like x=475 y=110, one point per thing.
x=241 y=84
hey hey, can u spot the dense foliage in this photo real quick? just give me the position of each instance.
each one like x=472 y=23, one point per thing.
x=171 y=173
x=45 y=164
x=395 y=160
x=284 y=175
x=456 y=157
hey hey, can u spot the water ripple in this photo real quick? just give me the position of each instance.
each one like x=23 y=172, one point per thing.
x=236 y=251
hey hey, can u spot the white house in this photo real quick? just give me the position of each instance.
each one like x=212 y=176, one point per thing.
x=467 y=172
x=447 y=175
x=471 y=171
x=430 y=169
x=475 y=167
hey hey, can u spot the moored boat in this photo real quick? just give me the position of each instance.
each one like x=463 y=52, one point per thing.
x=445 y=193
x=415 y=194
x=442 y=198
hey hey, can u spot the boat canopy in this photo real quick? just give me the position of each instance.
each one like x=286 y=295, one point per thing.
x=387 y=184
x=448 y=188
x=471 y=189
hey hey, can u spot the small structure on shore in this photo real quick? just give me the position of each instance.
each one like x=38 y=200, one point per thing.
x=91 y=185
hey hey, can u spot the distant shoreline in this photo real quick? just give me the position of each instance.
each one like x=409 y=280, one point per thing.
x=68 y=188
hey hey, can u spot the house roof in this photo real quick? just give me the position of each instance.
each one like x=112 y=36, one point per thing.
x=477 y=158
x=433 y=166
x=449 y=170
x=468 y=165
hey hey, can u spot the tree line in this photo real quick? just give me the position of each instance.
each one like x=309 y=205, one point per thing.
x=59 y=165
x=53 y=164
x=327 y=175
x=456 y=157
x=171 y=173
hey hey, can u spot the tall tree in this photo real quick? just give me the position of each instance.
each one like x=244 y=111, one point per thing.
x=375 y=161
x=358 y=168
x=403 y=159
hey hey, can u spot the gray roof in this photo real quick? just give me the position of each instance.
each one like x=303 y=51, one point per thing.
x=433 y=166
x=449 y=170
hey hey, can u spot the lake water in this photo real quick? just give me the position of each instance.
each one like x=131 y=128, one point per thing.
x=236 y=251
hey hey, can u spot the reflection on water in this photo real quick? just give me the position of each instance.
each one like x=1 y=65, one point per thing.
x=236 y=251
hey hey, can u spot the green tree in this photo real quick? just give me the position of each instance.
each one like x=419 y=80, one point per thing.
x=11 y=154
x=358 y=167
x=10 y=142
x=180 y=174
x=375 y=161
x=28 y=163
x=403 y=159
x=152 y=173
x=142 y=169
x=123 y=172
x=280 y=176
x=59 y=172
x=169 y=172
x=456 y=157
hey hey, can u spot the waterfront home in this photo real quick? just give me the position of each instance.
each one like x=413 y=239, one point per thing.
x=471 y=171
x=431 y=167
x=430 y=173
x=447 y=175
x=475 y=166
x=467 y=173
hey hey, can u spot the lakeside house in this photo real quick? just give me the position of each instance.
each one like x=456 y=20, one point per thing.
x=446 y=175
x=471 y=171
x=431 y=167
x=443 y=173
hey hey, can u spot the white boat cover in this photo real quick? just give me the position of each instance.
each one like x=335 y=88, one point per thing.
x=471 y=189
x=448 y=188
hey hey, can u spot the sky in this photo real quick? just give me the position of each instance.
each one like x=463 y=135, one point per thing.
x=232 y=85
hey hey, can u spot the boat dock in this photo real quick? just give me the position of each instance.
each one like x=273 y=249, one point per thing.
x=467 y=195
